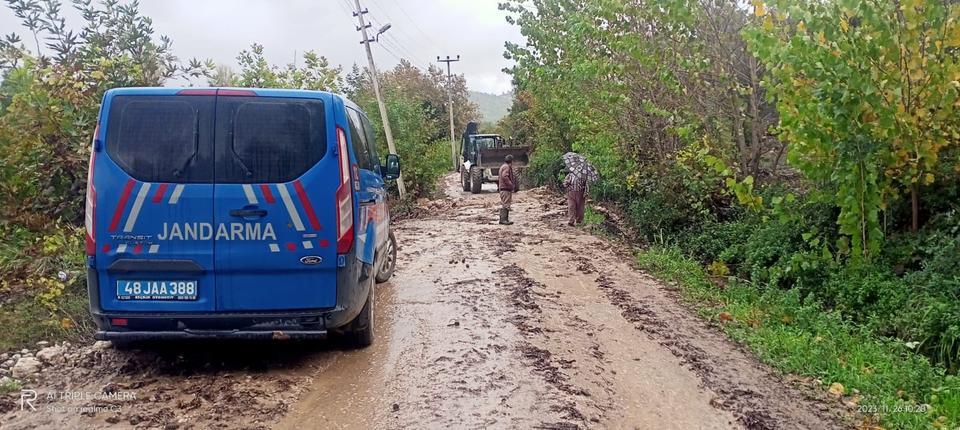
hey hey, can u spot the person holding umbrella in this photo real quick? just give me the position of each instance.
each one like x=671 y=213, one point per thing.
x=580 y=174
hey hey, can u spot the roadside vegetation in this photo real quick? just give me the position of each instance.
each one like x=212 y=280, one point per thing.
x=51 y=81
x=792 y=165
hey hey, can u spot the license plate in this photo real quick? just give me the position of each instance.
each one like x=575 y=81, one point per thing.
x=162 y=289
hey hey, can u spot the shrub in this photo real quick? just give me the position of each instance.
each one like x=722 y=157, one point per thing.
x=545 y=167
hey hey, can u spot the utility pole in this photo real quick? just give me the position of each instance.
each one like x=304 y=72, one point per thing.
x=376 y=86
x=453 y=138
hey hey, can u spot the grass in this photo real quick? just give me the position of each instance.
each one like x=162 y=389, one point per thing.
x=10 y=386
x=591 y=217
x=26 y=319
x=34 y=303
x=897 y=387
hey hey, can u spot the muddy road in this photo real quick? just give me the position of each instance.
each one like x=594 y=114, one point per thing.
x=535 y=325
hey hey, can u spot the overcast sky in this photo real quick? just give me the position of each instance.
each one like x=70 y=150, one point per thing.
x=421 y=30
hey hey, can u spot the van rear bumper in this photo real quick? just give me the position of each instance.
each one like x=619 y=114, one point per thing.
x=278 y=326
x=212 y=334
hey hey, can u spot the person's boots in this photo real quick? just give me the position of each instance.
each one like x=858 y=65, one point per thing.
x=505 y=217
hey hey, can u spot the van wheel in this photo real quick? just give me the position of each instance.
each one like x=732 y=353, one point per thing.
x=389 y=260
x=465 y=179
x=476 y=180
x=360 y=331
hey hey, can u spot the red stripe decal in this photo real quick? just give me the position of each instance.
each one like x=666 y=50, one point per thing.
x=118 y=212
x=324 y=243
x=160 y=192
x=291 y=246
x=138 y=249
x=306 y=205
x=267 y=195
x=106 y=248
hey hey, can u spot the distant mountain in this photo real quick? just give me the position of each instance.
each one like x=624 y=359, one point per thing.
x=492 y=107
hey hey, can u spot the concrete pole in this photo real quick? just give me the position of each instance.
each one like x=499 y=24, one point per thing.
x=453 y=137
x=376 y=89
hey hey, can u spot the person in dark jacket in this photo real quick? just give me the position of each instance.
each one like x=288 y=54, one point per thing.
x=507 y=183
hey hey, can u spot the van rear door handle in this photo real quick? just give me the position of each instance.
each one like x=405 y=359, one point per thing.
x=249 y=213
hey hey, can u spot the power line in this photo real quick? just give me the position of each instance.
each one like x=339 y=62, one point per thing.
x=399 y=46
x=415 y=25
x=402 y=30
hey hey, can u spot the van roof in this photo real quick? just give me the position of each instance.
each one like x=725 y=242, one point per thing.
x=267 y=92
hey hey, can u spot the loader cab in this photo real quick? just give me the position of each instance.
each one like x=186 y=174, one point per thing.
x=250 y=213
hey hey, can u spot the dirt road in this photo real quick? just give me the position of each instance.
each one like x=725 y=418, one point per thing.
x=535 y=325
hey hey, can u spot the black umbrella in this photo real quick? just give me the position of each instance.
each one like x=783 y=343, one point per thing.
x=580 y=168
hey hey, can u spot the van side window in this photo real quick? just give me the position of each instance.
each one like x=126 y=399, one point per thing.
x=372 y=141
x=268 y=140
x=361 y=142
x=161 y=138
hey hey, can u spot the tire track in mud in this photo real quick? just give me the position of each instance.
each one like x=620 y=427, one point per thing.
x=754 y=408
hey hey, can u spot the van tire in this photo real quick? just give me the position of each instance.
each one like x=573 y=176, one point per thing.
x=389 y=263
x=465 y=179
x=360 y=331
x=476 y=179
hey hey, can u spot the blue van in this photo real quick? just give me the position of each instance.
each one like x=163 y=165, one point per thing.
x=236 y=213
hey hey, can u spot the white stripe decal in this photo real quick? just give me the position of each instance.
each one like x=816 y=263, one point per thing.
x=294 y=215
x=274 y=247
x=251 y=197
x=135 y=212
x=154 y=248
x=175 y=197
x=121 y=248
x=307 y=244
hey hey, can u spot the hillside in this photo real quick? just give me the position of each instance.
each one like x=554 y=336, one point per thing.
x=492 y=107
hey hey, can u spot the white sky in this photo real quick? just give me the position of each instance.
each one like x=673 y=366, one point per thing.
x=421 y=30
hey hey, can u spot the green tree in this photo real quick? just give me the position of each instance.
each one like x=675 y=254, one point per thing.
x=416 y=104
x=50 y=99
x=256 y=72
x=867 y=94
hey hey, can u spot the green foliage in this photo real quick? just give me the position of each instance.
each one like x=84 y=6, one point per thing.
x=427 y=158
x=419 y=125
x=868 y=97
x=546 y=167
x=51 y=99
x=314 y=74
x=43 y=286
x=10 y=386
x=591 y=217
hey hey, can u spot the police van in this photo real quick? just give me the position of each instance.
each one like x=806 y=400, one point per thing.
x=235 y=213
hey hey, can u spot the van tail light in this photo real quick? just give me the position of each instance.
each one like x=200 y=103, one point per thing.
x=90 y=208
x=344 y=197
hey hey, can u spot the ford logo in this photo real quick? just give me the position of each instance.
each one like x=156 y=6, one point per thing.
x=311 y=260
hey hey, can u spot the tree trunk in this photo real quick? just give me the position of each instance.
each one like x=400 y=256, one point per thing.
x=915 y=207
x=756 y=124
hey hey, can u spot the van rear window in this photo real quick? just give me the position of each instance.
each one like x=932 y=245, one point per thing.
x=161 y=138
x=268 y=140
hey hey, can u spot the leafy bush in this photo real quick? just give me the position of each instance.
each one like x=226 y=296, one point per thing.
x=44 y=286
x=713 y=238
x=545 y=167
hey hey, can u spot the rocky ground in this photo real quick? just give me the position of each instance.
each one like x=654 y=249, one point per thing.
x=536 y=325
